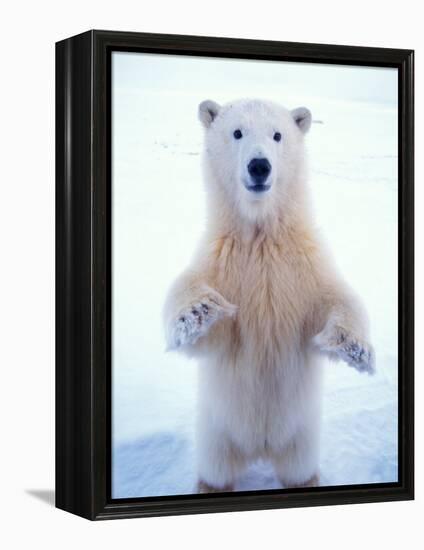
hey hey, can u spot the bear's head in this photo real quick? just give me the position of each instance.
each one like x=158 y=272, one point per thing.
x=254 y=154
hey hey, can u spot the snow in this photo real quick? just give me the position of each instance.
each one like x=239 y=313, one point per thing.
x=159 y=214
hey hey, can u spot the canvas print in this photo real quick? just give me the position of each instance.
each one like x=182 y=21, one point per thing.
x=254 y=275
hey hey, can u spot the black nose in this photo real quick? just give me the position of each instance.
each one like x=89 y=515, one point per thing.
x=259 y=170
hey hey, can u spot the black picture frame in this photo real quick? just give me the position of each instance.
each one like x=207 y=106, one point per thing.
x=83 y=273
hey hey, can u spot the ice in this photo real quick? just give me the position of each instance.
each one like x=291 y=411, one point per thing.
x=158 y=216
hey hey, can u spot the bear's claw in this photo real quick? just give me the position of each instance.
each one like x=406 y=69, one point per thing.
x=340 y=344
x=195 y=320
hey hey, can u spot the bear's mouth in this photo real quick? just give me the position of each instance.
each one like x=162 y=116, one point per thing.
x=258 y=188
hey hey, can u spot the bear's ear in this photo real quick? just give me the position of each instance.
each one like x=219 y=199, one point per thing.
x=207 y=112
x=303 y=118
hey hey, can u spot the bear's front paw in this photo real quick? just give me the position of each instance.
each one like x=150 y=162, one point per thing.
x=195 y=320
x=339 y=343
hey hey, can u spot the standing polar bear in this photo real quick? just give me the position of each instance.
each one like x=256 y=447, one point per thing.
x=261 y=300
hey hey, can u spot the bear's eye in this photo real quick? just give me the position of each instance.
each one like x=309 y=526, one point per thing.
x=237 y=134
x=277 y=136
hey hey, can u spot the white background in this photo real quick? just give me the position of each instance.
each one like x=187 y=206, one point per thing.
x=27 y=274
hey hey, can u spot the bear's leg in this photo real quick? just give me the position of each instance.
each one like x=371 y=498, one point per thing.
x=203 y=487
x=298 y=463
x=219 y=462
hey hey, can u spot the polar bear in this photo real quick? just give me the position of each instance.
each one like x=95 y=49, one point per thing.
x=261 y=300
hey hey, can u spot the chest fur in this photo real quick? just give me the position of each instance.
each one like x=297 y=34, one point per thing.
x=272 y=283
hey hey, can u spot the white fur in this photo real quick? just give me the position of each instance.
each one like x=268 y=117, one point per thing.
x=260 y=301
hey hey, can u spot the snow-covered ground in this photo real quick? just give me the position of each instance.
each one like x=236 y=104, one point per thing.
x=159 y=214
